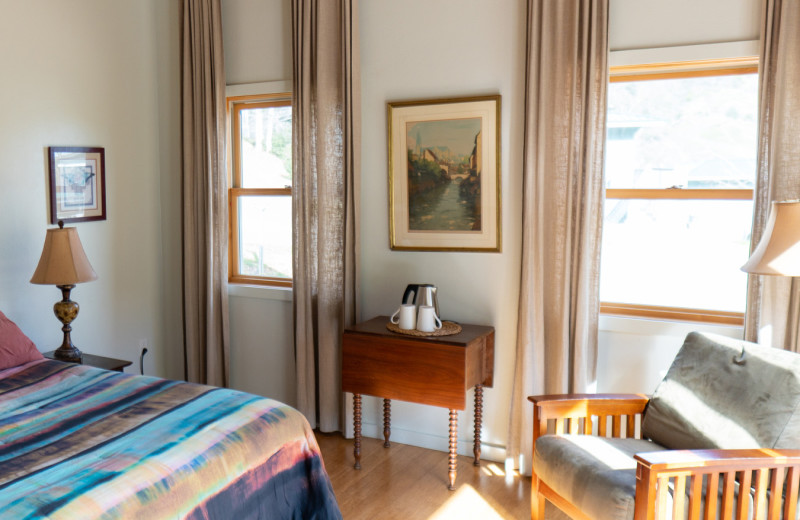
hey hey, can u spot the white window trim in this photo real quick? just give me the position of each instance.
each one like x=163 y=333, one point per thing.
x=714 y=51
x=256 y=89
x=260 y=292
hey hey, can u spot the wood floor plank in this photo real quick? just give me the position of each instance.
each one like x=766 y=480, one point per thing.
x=406 y=482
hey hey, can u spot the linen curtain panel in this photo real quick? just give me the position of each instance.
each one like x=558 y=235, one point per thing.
x=773 y=302
x=326 y=156
x=565 y=111
x=205 y=189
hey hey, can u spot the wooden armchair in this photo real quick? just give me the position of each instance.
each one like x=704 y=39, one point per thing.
x=662 y=474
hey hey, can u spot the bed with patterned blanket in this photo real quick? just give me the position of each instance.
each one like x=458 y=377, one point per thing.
x=79 y=442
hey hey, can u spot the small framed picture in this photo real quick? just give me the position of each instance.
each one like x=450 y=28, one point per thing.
x=444 y=174
x=77 y=184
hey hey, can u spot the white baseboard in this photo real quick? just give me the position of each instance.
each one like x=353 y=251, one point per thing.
x=490 y=452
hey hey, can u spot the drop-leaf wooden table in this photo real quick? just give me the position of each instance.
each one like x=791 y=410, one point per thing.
x=434 y=370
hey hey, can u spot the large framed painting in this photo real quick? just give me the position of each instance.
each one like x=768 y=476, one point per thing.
x=444 y=174
x=77 y=184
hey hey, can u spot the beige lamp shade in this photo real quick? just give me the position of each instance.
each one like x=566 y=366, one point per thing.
x=63 y=260
x=778 y=252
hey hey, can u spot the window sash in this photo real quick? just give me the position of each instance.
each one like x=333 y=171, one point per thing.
x=684 y=69
x=235 y=107
x=701 y=68
x=672 y=313
x=680 y=194
x=234 y=273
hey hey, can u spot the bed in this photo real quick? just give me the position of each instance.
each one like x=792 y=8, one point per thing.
x=82 y=442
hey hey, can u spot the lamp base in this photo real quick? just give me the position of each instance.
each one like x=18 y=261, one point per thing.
x=66 y=311
x=73 y=355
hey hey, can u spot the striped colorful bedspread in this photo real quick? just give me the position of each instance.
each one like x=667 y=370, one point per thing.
x=78 y=442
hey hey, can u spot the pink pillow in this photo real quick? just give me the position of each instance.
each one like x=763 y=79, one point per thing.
x=15 y=347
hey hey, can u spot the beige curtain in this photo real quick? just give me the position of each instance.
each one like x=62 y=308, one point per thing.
x=565 y=111
x=205 y=249
x=773 y=302
x=326 y=148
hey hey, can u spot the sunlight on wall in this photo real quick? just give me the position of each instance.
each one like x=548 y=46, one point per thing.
x=510 y=464
x=467 y=503
x=765 y=334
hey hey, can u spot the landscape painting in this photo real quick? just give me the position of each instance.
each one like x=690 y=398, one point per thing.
x=444 y=184
x=444 y=174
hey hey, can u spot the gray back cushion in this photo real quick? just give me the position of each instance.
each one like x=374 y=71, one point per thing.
x=708 y=401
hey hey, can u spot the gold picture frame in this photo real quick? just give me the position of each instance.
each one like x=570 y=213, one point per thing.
x=444 y=174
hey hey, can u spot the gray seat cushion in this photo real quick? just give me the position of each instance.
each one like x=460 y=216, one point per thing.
x=551 y=512
x=709 y=401
x=596 y=474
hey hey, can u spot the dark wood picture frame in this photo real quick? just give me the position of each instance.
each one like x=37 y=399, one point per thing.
x=77 y=183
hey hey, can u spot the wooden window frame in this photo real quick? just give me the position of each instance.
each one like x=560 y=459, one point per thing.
x=691 y=69
x=235 y=105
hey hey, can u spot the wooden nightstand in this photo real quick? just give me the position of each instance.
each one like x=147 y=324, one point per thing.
x=91 y=360
x=436 y=371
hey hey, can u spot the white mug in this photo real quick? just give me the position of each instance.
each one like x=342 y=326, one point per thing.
x=405 y=316
x=428 y=321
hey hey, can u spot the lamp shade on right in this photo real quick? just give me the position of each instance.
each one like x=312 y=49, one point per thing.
x=778 y=252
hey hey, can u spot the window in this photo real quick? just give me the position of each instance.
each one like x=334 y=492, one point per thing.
x=679 y=175
x=260 y=197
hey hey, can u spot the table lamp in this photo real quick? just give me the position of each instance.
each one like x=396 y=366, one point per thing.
x=778 y=252
x=64 y=264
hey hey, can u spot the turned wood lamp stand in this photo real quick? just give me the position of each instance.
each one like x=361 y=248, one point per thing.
x=437 y=371
x=63 y=263
x=66 y=311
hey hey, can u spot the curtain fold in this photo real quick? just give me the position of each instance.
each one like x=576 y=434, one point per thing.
x=205 y=189
x=565 y=112
x=773 y=302
x=326 y=157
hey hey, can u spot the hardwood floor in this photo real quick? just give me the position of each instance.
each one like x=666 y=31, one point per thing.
x=406 y=482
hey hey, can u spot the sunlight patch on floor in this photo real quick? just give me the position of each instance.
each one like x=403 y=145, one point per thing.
x=496 y=470
x=464 y=504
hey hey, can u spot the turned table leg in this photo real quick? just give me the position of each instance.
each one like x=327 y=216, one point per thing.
x=476 y=447
x=453 y=445
x=387 y=421
x=357 y=430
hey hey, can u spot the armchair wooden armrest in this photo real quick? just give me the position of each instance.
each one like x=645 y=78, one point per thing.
x=573 y=413
x=762 y=470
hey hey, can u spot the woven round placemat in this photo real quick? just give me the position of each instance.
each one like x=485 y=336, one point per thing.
x=448 y=328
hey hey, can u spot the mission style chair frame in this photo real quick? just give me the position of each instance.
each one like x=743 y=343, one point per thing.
x=765 y=471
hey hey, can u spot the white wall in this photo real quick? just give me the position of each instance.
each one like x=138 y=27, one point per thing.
x=634 y=353
x=422 y=50
x=418 y=49
x=645 y=24
x=90 y=73
x=168 y=361
x=258 y=60
x=262 y=342
x=257 y=40
x=93 y=72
